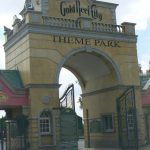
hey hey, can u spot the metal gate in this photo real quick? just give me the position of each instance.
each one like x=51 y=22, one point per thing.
x=13 y=134
x=2 y=134
x=14 y=139
x=68 y=130
x=68 y=121
x=67 y=99
x=127 y=121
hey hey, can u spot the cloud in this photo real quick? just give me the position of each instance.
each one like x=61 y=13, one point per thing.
x=144 y=61
x=136 y=11
x=2 y=55
x=8 y=9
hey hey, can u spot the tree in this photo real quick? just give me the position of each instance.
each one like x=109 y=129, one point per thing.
x=140 y=69
x=81 y=102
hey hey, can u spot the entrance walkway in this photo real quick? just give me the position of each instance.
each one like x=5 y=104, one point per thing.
x=81 y=147
x=143 y=148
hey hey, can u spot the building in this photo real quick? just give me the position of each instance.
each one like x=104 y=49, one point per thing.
x=83 y=37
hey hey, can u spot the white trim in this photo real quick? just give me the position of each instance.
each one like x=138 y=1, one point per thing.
x=52 y=133
x=147 y=85
x=113 y=122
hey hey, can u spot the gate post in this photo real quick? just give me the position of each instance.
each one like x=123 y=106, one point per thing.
x=88 y=130
x=127 y=119
x=140 y=117
x=68 y=129
x=1 y=135
x=8 y=137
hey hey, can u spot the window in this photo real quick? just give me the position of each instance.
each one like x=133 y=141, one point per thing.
x=108 y=122
x=45 y=123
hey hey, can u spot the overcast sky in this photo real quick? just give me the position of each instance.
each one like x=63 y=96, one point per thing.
x=135 y=11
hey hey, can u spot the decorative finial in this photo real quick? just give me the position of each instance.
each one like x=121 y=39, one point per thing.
x=16 y=20
x=6 y=29
x=37 y=2
x=28 y=5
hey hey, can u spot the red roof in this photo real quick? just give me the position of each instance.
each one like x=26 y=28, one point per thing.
x=12 y=93
x=146 y=98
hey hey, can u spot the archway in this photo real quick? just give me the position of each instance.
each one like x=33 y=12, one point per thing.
x=99 y=77
x=69 y=60
x=102 y=55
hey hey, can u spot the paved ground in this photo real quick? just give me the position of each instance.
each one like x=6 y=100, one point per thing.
x=145 y=148
x=81 y=144
x=81 y=147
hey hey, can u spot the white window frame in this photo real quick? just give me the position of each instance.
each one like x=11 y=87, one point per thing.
x=45 y=124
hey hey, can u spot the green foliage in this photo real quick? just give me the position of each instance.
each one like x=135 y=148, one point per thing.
x=2 y=127
x=2 y=124
x=81 y=102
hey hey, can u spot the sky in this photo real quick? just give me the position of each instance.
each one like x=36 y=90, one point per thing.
x=135 y=11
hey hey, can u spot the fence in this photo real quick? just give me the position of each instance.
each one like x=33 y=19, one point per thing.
x=102 y=132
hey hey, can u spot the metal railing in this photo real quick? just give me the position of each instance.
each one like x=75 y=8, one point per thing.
x=67 y=99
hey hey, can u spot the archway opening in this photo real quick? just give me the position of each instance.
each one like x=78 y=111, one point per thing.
x=98 y=77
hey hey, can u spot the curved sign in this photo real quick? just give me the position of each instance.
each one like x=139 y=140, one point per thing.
x=91 y=11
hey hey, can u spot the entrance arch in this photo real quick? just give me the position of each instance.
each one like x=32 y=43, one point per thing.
x=102 y=54
x=88 y=50
x=99 y=76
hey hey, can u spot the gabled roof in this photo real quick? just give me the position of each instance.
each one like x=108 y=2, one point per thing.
x=13 y=78
x=146 y=98
x=12 y=92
